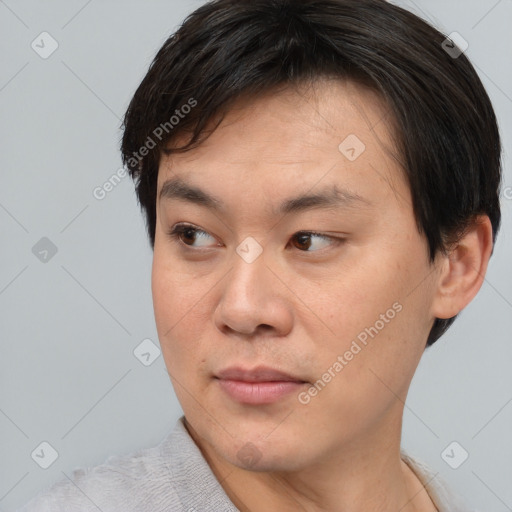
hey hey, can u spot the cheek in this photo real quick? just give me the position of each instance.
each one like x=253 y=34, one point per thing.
x=360 y=382
x=369 y=294
x=179 y=303
x=177 y=291
x=378 y=316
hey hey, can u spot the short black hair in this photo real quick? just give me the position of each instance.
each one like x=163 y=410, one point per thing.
x=447 y=137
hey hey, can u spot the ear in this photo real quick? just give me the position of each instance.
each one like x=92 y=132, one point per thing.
x=462 y=270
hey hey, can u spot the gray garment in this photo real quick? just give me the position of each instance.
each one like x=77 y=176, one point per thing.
x=172 y=477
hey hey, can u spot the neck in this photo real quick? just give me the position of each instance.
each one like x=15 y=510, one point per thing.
x=368 y=474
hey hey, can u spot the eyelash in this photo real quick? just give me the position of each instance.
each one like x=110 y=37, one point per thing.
x=179 y=229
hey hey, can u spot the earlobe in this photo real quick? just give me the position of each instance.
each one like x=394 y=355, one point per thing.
x=463 y=269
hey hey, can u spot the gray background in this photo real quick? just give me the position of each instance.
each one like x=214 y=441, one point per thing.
x=69 y=326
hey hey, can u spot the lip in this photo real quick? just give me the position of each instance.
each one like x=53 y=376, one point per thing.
x=261 y=385
x=258 y=374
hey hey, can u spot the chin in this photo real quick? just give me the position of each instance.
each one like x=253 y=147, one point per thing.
x=255 y=453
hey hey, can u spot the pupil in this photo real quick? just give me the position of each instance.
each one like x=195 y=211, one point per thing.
x=303 y=240
x=189 y=234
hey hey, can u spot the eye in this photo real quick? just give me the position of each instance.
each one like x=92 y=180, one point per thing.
x=304 y=240
x=188 y=234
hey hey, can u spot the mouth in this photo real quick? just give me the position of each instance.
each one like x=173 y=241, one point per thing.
x=261 y=385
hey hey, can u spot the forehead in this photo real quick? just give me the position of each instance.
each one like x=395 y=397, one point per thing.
x=329 y=133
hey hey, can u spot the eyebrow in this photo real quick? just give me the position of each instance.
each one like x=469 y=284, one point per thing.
x=330 y=197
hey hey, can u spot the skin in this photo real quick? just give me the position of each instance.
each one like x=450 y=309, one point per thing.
x=300 y=305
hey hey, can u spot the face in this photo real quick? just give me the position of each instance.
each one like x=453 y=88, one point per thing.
x=286 y=242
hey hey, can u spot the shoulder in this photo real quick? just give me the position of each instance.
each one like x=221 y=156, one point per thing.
x=139 y=481
x=173 y=476
x=445 y=499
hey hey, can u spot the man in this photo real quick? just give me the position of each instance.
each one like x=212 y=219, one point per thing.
x=320 y=181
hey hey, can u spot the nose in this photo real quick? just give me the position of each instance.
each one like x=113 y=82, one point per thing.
x=254 y=301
